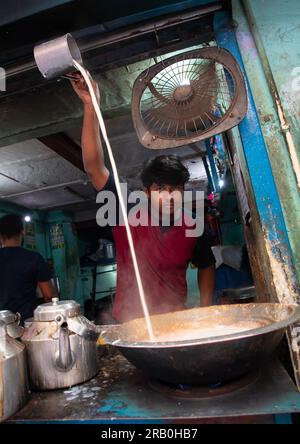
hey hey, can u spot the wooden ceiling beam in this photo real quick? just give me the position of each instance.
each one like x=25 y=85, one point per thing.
x=65 y=147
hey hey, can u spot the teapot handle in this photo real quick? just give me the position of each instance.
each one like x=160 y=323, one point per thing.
x=65 y=359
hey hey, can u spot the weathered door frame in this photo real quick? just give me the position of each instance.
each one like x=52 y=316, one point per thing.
x=267 y=239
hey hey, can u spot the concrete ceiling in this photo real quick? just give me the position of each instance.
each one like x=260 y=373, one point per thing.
x=29 y=166
x=34 y=176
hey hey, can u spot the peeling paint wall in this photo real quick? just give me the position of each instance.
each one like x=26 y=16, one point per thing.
x=278 y=24
x=65 y=254
x=268 y=34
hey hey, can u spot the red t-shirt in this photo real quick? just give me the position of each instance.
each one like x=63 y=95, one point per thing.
x=163 y=254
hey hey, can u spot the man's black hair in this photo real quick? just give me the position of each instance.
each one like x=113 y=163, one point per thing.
x=11 y=225
x=165 y=170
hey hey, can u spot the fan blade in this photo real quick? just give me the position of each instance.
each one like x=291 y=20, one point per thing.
x=157 y=94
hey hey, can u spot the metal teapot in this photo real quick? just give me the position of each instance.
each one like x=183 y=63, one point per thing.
x=61 y=346
x=13 y=372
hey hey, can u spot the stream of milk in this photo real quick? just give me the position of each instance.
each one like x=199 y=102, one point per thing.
x=117 y=180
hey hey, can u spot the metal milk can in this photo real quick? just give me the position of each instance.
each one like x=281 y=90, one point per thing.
x=61 y=346
x=12 y=321
x=13 y=372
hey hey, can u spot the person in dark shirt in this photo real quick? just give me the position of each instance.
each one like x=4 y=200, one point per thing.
x=163 y=253
x=21 y=271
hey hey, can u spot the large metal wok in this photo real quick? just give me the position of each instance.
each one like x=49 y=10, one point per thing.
x=191 y=347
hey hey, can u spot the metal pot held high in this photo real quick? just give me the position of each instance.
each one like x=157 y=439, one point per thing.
x=61 y=346
x=13 y=373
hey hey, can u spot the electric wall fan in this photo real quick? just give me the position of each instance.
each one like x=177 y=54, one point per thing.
x=188 y=97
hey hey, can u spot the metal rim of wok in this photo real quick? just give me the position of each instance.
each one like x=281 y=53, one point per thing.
x=273 y=326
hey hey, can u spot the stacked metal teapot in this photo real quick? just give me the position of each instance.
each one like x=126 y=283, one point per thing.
x=13 y=373
x=61 y=348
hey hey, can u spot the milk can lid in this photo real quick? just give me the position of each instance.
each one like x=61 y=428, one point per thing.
x=7 y=316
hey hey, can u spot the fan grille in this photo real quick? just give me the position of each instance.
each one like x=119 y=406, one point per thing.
x=187 y=97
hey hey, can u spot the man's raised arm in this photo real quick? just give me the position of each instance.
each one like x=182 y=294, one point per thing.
x=92 y=151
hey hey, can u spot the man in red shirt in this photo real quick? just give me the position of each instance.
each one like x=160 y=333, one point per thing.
x=163 y=253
